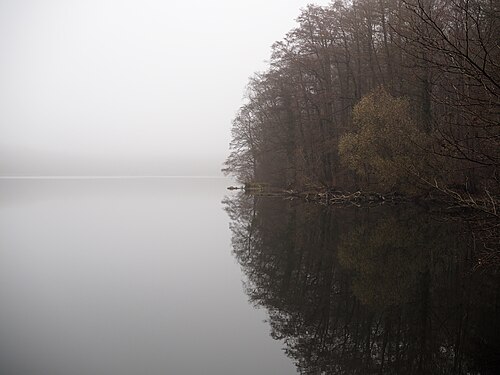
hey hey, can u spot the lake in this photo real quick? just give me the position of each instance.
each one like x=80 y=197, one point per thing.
x=180 y=276
x=125 y=276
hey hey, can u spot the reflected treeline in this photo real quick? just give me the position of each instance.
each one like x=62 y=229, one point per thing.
x=367 y=291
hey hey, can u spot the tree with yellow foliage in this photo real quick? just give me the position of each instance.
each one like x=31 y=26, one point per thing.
x=386 y=146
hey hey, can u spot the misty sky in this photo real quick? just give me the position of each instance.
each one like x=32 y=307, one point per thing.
x=128 y=87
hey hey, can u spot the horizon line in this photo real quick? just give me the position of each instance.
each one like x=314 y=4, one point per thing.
x=101 y=177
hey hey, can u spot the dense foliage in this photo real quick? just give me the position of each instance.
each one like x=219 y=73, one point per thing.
x=378 y=94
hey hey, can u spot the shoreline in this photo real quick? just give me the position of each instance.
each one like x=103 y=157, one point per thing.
x=343 y=198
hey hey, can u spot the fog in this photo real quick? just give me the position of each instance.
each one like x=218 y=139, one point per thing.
x=128 y=87
x=125 y=277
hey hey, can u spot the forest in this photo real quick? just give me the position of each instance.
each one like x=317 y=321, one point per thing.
x=379 y=95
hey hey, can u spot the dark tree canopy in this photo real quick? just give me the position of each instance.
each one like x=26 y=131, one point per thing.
x=431 y=69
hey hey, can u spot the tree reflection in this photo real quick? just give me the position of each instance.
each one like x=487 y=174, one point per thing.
x=367 y=291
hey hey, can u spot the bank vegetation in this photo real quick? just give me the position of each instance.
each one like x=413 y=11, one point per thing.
x=379 y=96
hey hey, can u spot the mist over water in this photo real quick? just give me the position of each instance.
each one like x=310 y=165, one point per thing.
x=178 y=275
x=62 y=165
x=125 y=276
x=123 y=253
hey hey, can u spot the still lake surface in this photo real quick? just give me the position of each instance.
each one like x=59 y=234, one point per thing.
x=179 y=276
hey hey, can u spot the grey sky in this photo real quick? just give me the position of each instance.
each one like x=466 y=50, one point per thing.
x=128 y=87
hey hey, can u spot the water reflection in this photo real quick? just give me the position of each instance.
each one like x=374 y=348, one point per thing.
x=367 y=291
x=129 y=276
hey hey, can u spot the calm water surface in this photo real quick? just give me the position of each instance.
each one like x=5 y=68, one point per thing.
x=381 y=290
x=179 y=276
x=125 y=277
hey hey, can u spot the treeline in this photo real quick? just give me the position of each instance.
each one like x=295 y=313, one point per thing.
x=388 y=95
